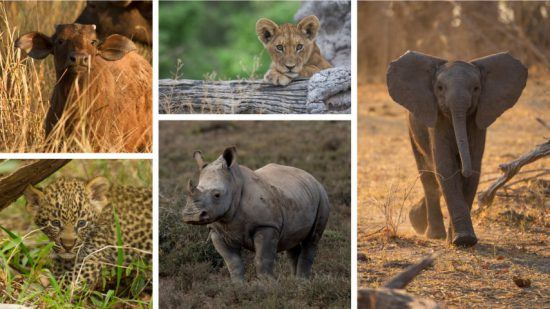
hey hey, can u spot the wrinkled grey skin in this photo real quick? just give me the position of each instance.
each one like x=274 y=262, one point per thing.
x=272 y=209
x=451 y=104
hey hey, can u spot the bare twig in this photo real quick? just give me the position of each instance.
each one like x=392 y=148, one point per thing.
x=510 y=169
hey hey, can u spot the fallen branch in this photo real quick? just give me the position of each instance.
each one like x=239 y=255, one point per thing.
x=13 y=185
x=510 y=169
x=390 y=295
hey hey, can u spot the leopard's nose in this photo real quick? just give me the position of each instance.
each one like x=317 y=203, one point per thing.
x=68 y=242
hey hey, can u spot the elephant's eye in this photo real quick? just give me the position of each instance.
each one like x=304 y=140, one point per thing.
x=439 y=87
x=476 y=88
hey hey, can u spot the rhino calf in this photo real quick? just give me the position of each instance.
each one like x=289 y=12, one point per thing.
x=272 y=209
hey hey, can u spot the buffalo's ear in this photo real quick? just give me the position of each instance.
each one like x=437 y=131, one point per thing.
x=230 y=156
x=265 y=29
x=503 y=78
x=96 y=191
x=35 y=44
x=410 y=83
x=309 y=25
x=115 y=47
x=34 y=198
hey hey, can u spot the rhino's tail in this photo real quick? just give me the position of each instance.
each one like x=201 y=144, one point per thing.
x=321 y=219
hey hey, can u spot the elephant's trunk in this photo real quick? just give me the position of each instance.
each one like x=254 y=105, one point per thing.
x=461 y=135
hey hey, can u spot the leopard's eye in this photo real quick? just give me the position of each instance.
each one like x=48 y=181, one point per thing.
x=299 y=47
x=56 y=223
x=81 y=223
x=280 y=47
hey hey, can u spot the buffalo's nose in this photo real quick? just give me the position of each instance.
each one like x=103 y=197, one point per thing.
x=68 y=242
x=79 y=58
x=290 y=67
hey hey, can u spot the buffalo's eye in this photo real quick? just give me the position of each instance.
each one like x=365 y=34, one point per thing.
x=81 y=223
x=56 y=223
x=299 y=47
x=60 y=41
x=280 y=47
x=94 y=42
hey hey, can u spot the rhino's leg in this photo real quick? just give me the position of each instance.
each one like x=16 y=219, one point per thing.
x=231 y=256
x=294 y=255
x=265 y=246
x=305 y=261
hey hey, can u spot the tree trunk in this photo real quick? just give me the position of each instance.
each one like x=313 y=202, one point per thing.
x=13 y=185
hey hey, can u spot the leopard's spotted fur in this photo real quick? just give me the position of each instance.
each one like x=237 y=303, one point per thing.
x=78 y=216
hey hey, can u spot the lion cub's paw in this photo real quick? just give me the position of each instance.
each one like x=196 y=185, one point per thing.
x=277 y=78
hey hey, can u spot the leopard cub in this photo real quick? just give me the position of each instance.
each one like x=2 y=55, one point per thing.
x=78 y=216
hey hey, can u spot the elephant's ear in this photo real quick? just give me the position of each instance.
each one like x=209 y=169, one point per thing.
x=410 y=81
x=503 y=78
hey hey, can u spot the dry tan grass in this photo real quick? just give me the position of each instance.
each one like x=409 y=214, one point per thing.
x=26 y=86
x=513 y=234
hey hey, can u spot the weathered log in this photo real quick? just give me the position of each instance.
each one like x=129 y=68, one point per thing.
x=231 y=97
x=13 y=185
x=390 y=295
x=510 y=169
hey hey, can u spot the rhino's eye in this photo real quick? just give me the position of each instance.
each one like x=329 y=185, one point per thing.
x=55 y=223
x=217 y=195
x=280 y=47
x=299 y=47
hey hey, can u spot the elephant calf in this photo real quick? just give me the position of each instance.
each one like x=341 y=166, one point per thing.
x=272 y=209
x=451 y=104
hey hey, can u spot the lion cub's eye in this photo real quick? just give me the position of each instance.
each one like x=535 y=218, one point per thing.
x=56 y=223
x=299 y=47
x=280 y=47
x=94 y=42
x=81 y=223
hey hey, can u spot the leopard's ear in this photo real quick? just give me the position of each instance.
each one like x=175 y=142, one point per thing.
x=96 y=191
x=33 y=197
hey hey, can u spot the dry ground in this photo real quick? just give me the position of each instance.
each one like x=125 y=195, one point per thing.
x=192 y=273
x=513 y=233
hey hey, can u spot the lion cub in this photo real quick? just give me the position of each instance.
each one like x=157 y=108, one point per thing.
x=292 y=48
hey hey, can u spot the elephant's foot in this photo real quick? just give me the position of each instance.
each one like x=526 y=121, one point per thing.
x=418 y=217
x=465 y=238
x=436 y=232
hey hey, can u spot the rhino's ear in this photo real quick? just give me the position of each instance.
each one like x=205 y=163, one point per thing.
x=230 y=156
x=197 y=155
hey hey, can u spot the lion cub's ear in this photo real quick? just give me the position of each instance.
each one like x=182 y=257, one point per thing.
x=309 y=26
x=33 y=197
x=265 y=29
x=96 y=191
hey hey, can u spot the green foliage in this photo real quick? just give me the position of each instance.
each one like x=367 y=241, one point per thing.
x=216 y=39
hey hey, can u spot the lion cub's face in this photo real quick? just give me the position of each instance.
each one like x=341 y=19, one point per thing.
x=289 y=46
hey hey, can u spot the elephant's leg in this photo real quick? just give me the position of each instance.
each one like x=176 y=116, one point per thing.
x=426 y=215
x=231 y=256
x=477 y=147
x=265 y=246
x=451 y=184
x=305 y=262
x=436 y=227
x=293 y=256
